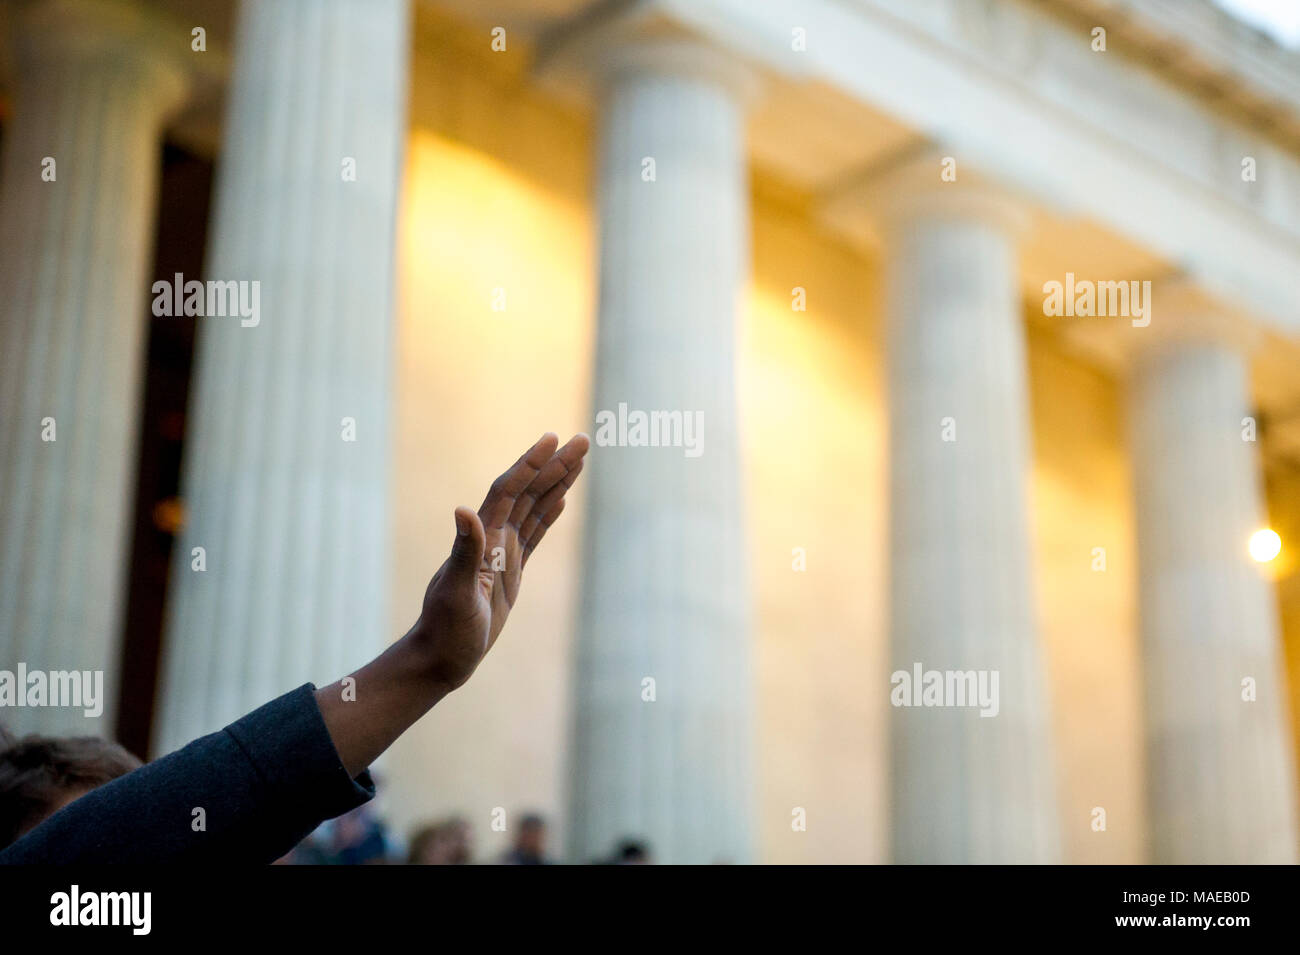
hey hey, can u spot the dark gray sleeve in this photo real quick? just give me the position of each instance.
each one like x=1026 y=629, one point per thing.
x=263 y=783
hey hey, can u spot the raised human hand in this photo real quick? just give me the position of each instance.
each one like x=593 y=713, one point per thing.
x=470 y=597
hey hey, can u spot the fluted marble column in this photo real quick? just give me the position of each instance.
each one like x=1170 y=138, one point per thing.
x=664 y=580
x=965 y=788
x=291 y=514
x=1220 y=773
x=82 y=154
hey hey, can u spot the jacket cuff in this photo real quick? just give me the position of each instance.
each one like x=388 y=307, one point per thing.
x=290 y=747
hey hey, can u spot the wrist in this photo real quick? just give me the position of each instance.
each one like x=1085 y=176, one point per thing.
x=418 y=662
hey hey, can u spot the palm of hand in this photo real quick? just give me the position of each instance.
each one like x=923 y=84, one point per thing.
x=470 y=597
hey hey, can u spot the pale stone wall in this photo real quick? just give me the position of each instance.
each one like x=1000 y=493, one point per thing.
x=813 y=415
x=1088 y=618
x=494 y=198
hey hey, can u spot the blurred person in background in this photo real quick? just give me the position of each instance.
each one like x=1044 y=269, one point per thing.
x=358 y=839
x=449 y=842
x=530 y=843
x=631 y=852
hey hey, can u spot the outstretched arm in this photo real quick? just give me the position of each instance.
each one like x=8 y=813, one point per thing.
x=252 y=791
x=465 y=606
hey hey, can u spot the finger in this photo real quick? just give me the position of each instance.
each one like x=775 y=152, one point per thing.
x=468 y=547
x=500 y=500
x=547 y=520
x=534 y=519
x=552 y=473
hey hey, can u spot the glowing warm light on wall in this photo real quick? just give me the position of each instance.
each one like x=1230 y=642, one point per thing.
x=1265 y=545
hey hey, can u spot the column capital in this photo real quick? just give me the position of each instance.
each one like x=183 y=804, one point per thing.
x=583 y=57
x=115 y=35
x=923 y=182
x=1180 y=314
x=1183 y=313
x=929 y=182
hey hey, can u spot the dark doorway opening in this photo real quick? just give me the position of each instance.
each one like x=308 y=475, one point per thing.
x=183 y=197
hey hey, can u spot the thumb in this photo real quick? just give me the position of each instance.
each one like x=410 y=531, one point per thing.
x=467 y=549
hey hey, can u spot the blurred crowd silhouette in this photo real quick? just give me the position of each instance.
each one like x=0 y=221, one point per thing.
x=360 y=837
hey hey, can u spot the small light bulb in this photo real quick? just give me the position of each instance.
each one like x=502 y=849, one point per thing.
x=1265 y=545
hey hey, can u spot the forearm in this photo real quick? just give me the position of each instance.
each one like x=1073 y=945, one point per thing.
x=385 y=698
